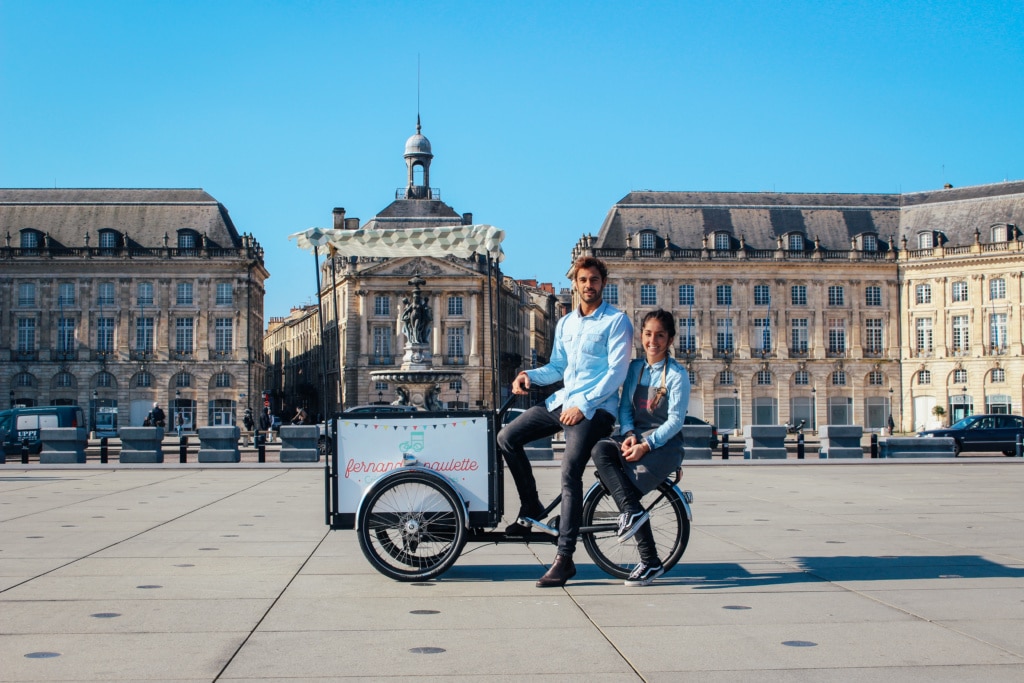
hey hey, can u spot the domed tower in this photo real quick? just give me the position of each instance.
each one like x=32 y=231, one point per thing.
x=417 y=153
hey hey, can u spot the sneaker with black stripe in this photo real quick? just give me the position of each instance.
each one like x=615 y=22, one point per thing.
x=643 y=574
x=630 y=523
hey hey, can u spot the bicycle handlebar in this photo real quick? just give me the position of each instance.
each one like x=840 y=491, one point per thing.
x=504 y=408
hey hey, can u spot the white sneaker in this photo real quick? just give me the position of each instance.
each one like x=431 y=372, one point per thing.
x=644 y=575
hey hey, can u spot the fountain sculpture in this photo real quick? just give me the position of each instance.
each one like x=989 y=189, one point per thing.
x=418 y=383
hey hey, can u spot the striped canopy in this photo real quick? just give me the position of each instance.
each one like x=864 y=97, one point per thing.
x=457 y=240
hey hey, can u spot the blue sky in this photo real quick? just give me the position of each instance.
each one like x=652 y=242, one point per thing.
x=541 y=115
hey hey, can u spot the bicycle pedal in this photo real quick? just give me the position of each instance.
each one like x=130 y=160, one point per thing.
x=688 y=497
x=540 y=526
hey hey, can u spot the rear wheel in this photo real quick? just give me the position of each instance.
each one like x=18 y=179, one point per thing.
x=956 y=447
x=668 y=521
x=413 y=527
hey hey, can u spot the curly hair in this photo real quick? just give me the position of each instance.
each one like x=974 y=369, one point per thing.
x=588 y=262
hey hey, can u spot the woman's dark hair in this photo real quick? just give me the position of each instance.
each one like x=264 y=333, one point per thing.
x=663 y=317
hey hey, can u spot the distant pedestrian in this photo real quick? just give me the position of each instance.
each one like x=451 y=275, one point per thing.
x=159 y=419
x=179 y=422
x=300 y=416
x=248 y=422
x=266 y=423
x=891 y=425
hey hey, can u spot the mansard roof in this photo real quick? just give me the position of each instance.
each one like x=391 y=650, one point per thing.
x=760 y=218
x=145 y=215
x=414 y=213
x=958 y=212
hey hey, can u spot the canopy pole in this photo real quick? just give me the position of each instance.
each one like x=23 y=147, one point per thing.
x=323 y=353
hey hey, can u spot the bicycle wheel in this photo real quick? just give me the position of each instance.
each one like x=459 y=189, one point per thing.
x=669 y=522
x=413 y=527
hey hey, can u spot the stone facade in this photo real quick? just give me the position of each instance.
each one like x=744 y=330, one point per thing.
x=362 y=301
x=116 y=299
x=803 y=306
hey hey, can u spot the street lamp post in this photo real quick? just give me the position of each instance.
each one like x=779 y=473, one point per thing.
x=814 y=408
x=736 y=410
x=12 y=398
x=95 y=398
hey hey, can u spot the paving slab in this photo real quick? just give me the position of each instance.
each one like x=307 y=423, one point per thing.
x=795 y=571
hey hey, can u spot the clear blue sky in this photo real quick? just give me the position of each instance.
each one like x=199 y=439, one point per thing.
x=541 y=115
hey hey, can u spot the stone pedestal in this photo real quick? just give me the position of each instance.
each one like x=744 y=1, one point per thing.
x=696 y=442
x=840 y=441
x=299 y=443
x=63 y=445
x=765 y=442
x=916 y=447
x=219 y=444
x=141 y=444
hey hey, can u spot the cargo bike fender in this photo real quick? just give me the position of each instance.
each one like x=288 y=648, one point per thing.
x=406 y=473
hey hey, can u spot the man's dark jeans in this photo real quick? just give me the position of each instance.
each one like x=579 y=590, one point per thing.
x=536 y=423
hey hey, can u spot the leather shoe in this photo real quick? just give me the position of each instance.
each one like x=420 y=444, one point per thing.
x=561 y=570
x=534 y=511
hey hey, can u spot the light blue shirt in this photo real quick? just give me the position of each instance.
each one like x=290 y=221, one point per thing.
x=591 y=356
x=677 y=383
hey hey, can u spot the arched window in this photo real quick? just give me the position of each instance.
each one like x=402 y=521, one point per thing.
x=723 y=241
x=868 y=243
x=796 y=241
x=647 y=240
x=925 y=240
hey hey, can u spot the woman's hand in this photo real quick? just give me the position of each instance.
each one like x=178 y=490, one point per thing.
x=633 y=450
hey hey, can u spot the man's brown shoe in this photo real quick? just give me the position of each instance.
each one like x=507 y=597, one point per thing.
x=561 y=570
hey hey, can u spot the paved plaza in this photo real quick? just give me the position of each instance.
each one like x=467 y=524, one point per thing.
x=796 y=571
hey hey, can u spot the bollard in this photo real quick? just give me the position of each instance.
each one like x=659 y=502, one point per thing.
x=800 y=446
x=104 y=450
x=874 y=445
x=1020 y=445
x=261 y=447
x=24 y=452
x=725 y=446
x=182 y=449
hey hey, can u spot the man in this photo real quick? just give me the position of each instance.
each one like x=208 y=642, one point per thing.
x=158 y=418
x=590 y=356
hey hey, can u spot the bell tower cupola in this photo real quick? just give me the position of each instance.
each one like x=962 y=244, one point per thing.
x=417 y=160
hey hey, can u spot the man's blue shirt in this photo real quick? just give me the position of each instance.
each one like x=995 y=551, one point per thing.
x=591 y=356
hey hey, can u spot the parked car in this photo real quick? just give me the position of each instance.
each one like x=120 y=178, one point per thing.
x=983 y=433
x=380 y=408
x=21 y=424
x=696 y=421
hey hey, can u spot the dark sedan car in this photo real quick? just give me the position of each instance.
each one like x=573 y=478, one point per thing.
x=983 y=433
x=693 y=421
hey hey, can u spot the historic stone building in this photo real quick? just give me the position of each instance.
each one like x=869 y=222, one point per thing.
x=829 y=308
x=114 y=299
x=363 y=299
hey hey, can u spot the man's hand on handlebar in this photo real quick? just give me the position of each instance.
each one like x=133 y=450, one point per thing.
x=521 y=384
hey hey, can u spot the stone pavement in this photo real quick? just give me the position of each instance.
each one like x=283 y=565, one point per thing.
x=796 y=571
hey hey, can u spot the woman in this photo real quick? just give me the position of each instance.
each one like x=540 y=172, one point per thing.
x=651 y=411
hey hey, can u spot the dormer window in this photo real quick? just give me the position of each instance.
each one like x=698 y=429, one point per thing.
x=188 y=240
x=108 y=240
x=796 y=241
x=925 y=240
x=30 y=239
x=647 y=240
x=723 y=241
x=868 y=243
x=1003 y=232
